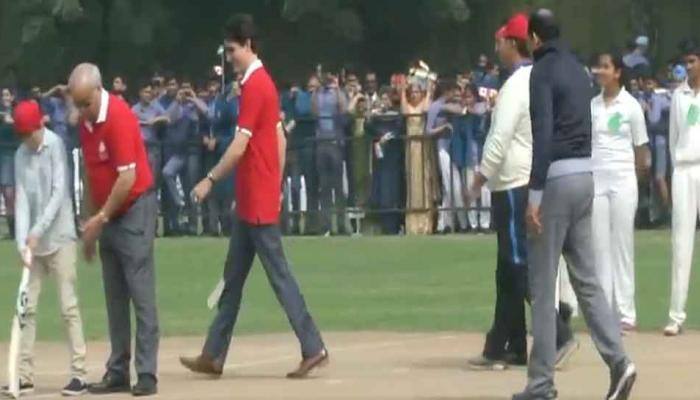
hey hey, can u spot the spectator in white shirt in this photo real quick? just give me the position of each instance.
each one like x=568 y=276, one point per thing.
x=620 y=143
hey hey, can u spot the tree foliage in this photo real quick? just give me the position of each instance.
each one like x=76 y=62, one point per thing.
x=40 y=40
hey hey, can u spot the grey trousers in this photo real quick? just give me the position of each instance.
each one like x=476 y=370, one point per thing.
x=566 y=218
x=126 y=251
x=265 y=241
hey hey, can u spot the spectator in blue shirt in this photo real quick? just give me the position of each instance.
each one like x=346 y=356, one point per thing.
x=656 y=104
x=150 y=115
x=170 y=92
x=181 y=134
x=330 y=106
x=301 y=144
x=223 y=117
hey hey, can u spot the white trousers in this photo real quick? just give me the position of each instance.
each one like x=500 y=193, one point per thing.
x=614 y=209
x=479 y=219
x=452 y=195
x=686 y=201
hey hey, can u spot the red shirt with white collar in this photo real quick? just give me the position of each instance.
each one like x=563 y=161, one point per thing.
x=258 y=175
x=111 y=145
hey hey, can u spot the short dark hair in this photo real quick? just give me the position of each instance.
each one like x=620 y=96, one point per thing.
x=543 y=24
x=445 y=85
x=240 y=28
x=689 y=46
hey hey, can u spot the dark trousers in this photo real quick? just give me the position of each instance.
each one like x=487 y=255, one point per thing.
x=508 y=333
x=265 y=241
x=329 y=162
x=128 y=272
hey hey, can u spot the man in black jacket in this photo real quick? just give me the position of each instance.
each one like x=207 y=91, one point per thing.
x=559 y=212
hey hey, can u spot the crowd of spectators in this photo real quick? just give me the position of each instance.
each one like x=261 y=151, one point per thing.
x=362 y=155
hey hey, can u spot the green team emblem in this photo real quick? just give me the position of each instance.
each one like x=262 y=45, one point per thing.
x=693 y=115
x=615 y=122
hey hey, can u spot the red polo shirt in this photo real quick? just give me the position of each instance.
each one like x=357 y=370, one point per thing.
x=258 y=176
x=114 y=144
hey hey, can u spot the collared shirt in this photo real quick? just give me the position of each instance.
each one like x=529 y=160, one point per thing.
x=146 y=113
x=328 y=103
x=258 y=175
x=43 y=207
x=617 y=129
x=223 y=118
x=182 y=126
x=111 y=145
x=57 y=111
x=436 y=117
x=684 y=131
x=659 y=104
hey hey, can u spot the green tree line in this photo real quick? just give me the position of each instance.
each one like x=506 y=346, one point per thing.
x=40 y=40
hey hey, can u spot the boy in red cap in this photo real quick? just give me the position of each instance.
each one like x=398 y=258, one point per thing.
x=46 y=237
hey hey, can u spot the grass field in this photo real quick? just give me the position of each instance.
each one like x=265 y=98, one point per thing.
x=351 y=284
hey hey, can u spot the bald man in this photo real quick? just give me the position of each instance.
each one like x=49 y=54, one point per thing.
x=120 y=198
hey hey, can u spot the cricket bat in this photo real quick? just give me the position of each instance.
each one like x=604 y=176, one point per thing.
x=213 y=299
x=18 y=322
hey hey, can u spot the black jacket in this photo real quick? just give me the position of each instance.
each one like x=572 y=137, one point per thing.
x=560 y=108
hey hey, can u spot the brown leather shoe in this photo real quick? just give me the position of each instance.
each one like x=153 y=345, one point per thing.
x=202 y=364
x=307 y=365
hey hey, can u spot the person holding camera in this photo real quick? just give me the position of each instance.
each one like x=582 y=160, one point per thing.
x=329 y=105
x=183 y=115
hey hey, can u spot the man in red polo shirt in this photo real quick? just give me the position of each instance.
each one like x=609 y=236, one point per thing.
x=258 y=153
x=123 y=209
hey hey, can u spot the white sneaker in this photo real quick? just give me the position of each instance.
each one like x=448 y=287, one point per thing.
x=673 y=329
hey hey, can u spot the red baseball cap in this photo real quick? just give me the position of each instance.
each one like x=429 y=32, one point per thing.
x=28 y=117
x=516 y=27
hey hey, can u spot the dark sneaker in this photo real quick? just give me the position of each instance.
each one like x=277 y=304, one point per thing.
x=621 y=382
x=24 y=388
x=565 y=353
x=481 y=363
x=516 y=360
x=111 y=383
x=551 y=395
x=146 y=386
x=76 y=387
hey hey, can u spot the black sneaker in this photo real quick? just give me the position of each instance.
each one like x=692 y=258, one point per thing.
x=76 y=387
x=621 y=382
x=24 y=388
x=146 y=386
x=111 y=383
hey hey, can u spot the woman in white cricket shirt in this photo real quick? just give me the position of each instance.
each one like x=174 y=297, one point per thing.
x=619 y=145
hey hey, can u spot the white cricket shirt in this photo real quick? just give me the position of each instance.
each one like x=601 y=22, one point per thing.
x=617 y=129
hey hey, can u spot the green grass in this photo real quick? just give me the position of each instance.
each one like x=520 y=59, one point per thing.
x=371 y=283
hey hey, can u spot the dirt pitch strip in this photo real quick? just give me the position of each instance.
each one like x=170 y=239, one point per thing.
x=376 y=365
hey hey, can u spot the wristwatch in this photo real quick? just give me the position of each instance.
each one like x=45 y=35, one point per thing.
x=210 y=176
